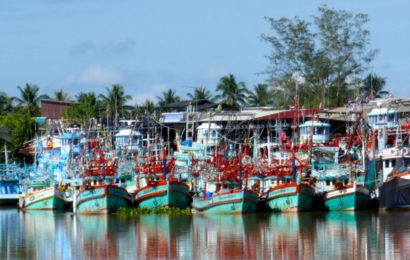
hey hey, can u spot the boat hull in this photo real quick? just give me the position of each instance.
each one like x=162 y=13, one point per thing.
x=101 y=199
x=395 y=193
x=348 y=198
x=45 y=199
x=227 y=202
x=291 y=197
x=163 y=194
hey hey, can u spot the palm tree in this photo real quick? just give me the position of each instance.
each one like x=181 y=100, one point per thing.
x=6 y=104
x=30 y=99
x=114 y=102
x=232 y=93
x=168 y=97
x=60 y=95
x=260 y=96
x=372 y=84
x=200 y=93
x=146 y=108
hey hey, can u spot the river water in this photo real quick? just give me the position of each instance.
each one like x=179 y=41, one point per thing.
x=335 y=235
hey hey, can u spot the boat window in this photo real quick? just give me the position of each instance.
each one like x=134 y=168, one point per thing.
x=393 y=163
x=386 y=164
x=213 y=133
x=76 y=141
x=346 y=181
x=327 y=183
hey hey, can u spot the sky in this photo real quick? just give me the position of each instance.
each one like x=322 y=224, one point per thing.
x=150 y=46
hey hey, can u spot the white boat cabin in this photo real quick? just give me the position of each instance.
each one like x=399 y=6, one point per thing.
x=208 y=133
x=318 y=131
x=383 y=117
x=127 y=140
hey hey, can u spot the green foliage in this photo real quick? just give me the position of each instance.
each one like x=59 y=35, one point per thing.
x=231 y=92
x=168 y=97
x=114 y=103
x=200 y=93
x=6 y=105
x=146 y=108
x=84 y=111
x=30 y=99
x=261 y=96
x=21 y=127
x=326 y=54
x=60 y=95
x=161 y=210
x=372 y=85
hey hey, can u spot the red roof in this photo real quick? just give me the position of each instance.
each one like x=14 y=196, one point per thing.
x=289 y=114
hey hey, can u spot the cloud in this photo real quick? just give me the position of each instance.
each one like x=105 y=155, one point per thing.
x=98 y=75
x=216 y=72
x=151 y=93
x=123 y=46
x=89 y=47
x=81 y=48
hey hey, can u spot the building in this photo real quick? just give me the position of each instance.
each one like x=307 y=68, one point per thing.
x=53 y=109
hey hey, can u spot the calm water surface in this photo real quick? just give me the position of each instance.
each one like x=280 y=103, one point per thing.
x=48 y=235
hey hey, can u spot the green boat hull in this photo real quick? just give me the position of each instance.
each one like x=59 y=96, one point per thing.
x=174 y=195
x=47 y=199
x=232 y=202
x=291 y=198
x=53 y=203
x=102 y=199
x=355 y=200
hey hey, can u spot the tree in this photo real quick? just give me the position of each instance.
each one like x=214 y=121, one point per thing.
x=115 y=103
x=200 y=93
x=372 y=84
x=328 y=53
x=18 y=125
x=146 y=108
x=168 y=97
x=6 y=105
x=84 y=110
x=60 y=95
x=231 y=92
x=260 y=96
x=29 y=98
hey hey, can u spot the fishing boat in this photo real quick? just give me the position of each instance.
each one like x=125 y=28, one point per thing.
x=288 y=192
x=11 y=177
x=43 y=198
x=229 y=200
x=98 y=193
x=223 y=188
x=43 y=189
x=158 y=185
x=391 y=147
x=128 y=141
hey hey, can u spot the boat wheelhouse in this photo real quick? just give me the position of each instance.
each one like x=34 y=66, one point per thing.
x=127 y=141
x=318 y=131
x=383 y=117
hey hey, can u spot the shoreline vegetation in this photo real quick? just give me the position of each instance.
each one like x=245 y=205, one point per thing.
x=132 y=212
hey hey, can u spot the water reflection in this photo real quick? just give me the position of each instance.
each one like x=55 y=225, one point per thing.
x=45 y=235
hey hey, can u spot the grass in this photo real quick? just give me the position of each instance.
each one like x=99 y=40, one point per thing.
x=145 y=211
